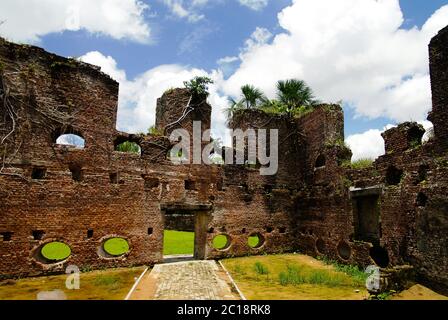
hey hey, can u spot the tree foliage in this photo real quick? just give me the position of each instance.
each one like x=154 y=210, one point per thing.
x=128 y=146
x=294 y=98
x=198 y=86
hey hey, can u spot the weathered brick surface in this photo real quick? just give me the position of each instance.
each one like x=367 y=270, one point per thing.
x=315 y=203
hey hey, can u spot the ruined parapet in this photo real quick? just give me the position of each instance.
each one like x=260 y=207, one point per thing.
x=179 y=109
x=394 y=279
x=323 y=130
x=291 y=151
x=438 y=55
x=46 y=97
x=405 y=136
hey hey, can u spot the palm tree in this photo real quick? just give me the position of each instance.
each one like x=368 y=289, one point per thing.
x=252 y=96
x=233 y=106
x=294 y=94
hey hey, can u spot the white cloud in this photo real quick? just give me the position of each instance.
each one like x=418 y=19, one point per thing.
x=138 y=97
x=227 y=60
x=367 y=145
x=108 y=65
x=258 y=38
x=182 y=9
x=29 y=20
x=347 y=50
x=370 y=144
x=254 y=4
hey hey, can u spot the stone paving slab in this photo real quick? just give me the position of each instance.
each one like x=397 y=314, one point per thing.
x=189 y=280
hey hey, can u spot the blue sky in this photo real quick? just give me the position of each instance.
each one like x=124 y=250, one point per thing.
x=208 y=30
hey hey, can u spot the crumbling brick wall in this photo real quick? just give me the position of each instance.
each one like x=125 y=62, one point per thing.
x=316 y=203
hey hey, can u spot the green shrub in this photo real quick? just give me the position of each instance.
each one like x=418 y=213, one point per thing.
x=198 y=86
x=261 y=268
x=128 y=146
x=155 y=131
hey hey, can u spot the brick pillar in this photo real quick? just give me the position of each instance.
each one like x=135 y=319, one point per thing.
x=438 y=56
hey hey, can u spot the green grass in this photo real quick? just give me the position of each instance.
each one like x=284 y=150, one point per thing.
x=261 y=268
x=294 y=276
x=112 y=284
x=116 y=246
x=362 y=164
x=354 y=271
x=220 y=242
x=178 y=242
x=253 y=241
x=56 y=251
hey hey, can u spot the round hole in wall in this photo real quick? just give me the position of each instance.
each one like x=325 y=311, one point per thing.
x=116 y=246
x=55 y=251
x=344 y=250
x=320 y=246
x=255 y=240
x=380 y=256
x=221 y=242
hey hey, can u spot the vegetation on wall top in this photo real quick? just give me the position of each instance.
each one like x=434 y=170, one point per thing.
x=294 y=99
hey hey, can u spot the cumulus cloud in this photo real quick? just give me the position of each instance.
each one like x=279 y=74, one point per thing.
x=254 y=4
x=367 y=145
x=138 y=97
x=29 y=20
x=347 y=50
x=370 y=144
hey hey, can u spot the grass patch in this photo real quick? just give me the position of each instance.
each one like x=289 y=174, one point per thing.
x=56 y=251
x=295 y=277
x=253 y=241
x=220 y=242
x=355 y=272
x=178 y=242
x=112 y=284
x=362 y=164
x=116 y=246
x=261 y=268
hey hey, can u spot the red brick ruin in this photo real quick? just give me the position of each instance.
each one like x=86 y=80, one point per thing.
x=393 y=214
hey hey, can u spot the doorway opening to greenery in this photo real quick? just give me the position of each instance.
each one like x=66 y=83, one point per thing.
x=178 y=243
x=185 y=230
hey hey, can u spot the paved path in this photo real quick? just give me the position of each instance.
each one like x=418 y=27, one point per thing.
x=190 y=280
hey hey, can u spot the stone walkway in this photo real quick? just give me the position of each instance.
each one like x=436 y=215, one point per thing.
x=190 y=280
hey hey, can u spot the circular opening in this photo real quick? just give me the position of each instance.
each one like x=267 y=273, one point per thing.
x=221 y=242
x=255 y=240
x=116 y=246
x=344 y=250
x=320 y=245
x=380 y=256
x=55 y=251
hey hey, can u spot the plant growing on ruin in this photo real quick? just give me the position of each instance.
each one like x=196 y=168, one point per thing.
x=362 y=164
x=198 y=86
x=153 y=130
x=128 y=146
x=252 y=97
x=294 y=94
